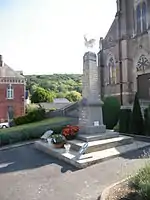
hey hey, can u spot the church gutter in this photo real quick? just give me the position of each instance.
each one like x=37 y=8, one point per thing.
x=120 y=49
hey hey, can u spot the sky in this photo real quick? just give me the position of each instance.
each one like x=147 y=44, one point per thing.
x=46 y=36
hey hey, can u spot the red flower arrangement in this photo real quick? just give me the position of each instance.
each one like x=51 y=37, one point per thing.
x=70 y=132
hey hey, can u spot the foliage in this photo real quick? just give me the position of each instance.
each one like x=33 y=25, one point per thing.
x=124 y=120
x=116 y=128
x=73 y=96
x=111 y=109
x=58 y=139
x=141 y=182
x=31 y=107
x=33 y=130
x=59 y=84
x=33 y=116
x=70 y=131
x=41 y=95
x=136 y=122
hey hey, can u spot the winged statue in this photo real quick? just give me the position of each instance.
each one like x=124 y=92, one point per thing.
x=89 y=43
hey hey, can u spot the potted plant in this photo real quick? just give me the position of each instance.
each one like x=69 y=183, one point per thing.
x=70 y=132
x=58 y=140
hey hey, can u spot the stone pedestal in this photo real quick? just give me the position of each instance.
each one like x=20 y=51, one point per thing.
x=91 y=118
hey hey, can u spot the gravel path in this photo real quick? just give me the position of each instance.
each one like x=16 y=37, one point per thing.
x=27 y=174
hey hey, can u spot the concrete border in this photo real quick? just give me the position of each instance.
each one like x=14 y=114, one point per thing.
x=106 y=191
x=11 y=146
x=138 y=137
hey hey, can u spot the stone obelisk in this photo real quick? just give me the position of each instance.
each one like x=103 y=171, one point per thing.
x=91 y=117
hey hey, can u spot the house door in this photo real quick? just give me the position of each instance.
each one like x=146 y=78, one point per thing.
x=143 y=86
x=10 y=113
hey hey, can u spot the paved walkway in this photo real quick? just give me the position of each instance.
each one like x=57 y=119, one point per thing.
x=27 y=174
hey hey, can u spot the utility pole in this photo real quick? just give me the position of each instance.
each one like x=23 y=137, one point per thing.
x=119 y=6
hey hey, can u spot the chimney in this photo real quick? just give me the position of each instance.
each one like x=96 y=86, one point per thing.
x=1 y=61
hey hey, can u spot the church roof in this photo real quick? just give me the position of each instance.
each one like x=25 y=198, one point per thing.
x=6 y=71
x=111 y=36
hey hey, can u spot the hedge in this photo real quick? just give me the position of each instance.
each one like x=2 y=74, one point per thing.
x=32 y=116
x=32 y=131
x=124 y=120
x=136 y=122
x=111 y=109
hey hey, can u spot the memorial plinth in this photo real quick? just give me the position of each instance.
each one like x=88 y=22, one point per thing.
x=91 y=117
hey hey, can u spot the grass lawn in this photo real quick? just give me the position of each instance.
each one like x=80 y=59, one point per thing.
x=51 y=121
x=32 y=130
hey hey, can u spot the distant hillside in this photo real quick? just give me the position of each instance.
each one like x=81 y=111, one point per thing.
x=57 y=83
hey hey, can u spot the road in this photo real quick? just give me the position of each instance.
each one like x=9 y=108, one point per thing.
x=27 y=174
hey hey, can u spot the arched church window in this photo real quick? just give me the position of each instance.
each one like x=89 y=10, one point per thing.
x=141 y=17
x=143 y=63
x=112 y=71
x=138 y=18
x=144 y=26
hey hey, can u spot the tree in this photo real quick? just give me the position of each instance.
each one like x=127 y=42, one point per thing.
x=73 y=96
x=137 y=122
x=57 y=82
x=41 y=95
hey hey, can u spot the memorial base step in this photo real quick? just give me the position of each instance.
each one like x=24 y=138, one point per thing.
x=94 y=137
x=99 y=145
x=89 y=158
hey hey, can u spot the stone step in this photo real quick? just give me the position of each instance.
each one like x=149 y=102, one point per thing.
x=101 y=144
x=89 y=138
x=100 y=156
x=90 y=158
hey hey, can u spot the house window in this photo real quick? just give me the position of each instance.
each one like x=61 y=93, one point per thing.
x=112 y=72
x=10 y=92
x=141 y=17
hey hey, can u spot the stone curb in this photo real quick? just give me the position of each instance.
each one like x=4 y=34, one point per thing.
x=17 y=145
x=140 y=137
x=105 y=192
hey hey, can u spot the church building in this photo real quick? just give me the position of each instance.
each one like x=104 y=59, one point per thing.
x=124 y=56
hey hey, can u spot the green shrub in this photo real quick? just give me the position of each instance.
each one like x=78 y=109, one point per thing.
x=111 y=109
x=116 y=128
x=124 y=120
x=31 y=107
x=33 y=130
x=52 y=109
x=136 y=122
x=141 y=182
x=32 y=116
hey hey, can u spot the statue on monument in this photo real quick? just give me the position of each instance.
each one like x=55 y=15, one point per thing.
x=89 y=43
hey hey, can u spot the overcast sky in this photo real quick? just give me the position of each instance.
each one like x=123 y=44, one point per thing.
x=46 y=36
